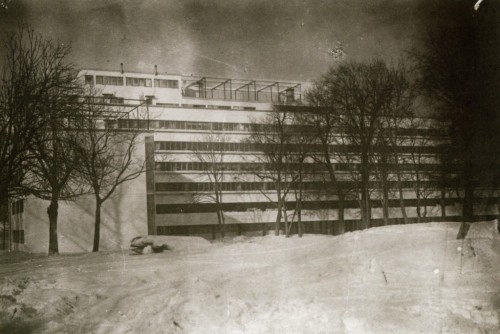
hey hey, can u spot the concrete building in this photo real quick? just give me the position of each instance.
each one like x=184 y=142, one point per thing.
x=178 y=116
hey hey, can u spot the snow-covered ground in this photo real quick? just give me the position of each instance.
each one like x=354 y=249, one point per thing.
x=394 y=279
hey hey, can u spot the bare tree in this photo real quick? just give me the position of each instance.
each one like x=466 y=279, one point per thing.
x=53 y=176
x=211 y=155
x=459 y=72
x=383 y=161
x=423 y=168
x=391 y=157
x=38 y=87
x=361 y=95
x=275 y=145
x=322 y=121
x=31 y=71
x=107 y=155
x=300 y=164
x=302 y=140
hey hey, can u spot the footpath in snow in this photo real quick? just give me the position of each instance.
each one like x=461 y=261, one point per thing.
x=395 y=279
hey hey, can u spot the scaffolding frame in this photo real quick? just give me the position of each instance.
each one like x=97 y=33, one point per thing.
x=242 y=90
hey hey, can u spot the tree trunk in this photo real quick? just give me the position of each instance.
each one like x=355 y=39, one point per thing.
x=341 y=223
x=340 y=227
x=401 y=197
x=299 y=214
x=443 y=203
x=97 y=225
x=467 y=210
x=52 y=212
x=4 y=236
x=299 y=222
x=498 y=217
x=287 y=228
x=223 y=223
x=417 y=194
x=278 y=216
x=220 y=220
x=419 y=209
x=365 y=193
x=385 y=202
x=4 y=215
x=468 y=203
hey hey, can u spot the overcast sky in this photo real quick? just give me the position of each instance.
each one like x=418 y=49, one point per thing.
x=282 y=40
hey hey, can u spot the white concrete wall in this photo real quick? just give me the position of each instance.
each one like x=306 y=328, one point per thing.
x=123 y=217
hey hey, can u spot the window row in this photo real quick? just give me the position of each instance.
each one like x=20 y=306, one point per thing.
x=249 y=127
x=164 y=83
x=208 y=126
x=206 y=146
x=229 y=166
x=127 y=124
x=248 y=166
x=226 y=186
x=264 y=186
x=290 y=205
x=130 y=81
x=108 y=80
x=251 y=147
x=140 y=82
x=109 y=98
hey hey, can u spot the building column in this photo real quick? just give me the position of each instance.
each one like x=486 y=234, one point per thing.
x=150 y=184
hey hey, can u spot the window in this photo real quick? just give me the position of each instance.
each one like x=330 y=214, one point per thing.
x=163 y=83
x=106 y=98
x=110 y=98
x=167 y=104
x=111 y=124
x=138 y=82
x=17 y=207
x=89 y=79
x=106 y=80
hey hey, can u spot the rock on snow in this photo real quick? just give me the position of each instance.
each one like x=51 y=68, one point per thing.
x=159 y=243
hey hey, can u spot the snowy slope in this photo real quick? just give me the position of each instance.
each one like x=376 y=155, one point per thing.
x=394 y=279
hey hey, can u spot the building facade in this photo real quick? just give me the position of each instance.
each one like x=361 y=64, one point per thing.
x=183 y=118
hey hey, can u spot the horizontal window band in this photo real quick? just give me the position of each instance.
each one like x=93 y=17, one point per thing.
x=290 y=205
x=252 y=127
x=255 y=166
x=320 y=186
x=334 y=149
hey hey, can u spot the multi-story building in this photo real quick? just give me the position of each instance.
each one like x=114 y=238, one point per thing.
x=180 y=117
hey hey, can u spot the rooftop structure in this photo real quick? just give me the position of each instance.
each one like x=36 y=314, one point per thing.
x=168 y=89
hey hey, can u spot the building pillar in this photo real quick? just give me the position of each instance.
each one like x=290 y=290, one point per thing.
x=150 y=184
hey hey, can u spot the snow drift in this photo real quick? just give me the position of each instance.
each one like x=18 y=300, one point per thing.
x=395 y=279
